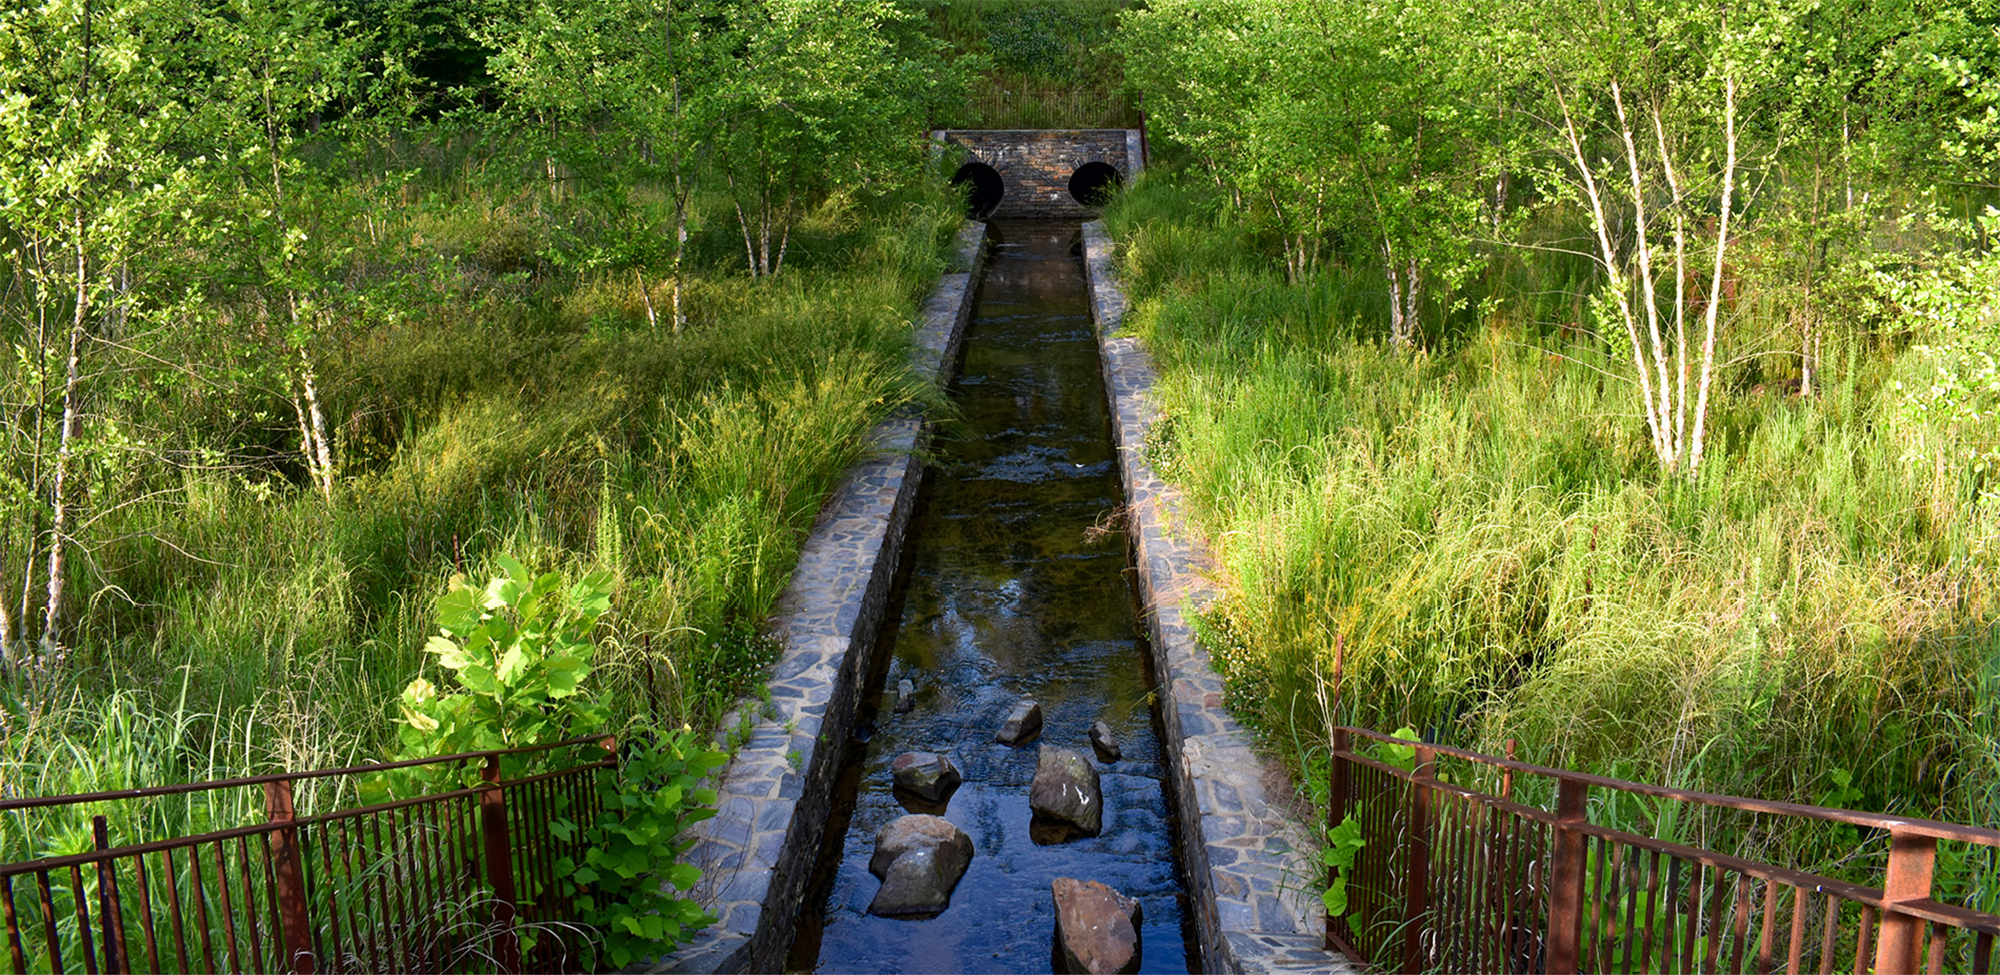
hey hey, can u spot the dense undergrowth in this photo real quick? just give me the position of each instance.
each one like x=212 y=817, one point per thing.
x=1484 y=526
x=1046 y=64
x=511 y=404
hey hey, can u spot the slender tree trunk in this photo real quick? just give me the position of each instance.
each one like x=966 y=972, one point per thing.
x=6 y=621
x=1663 y=408
x=63 y=498
x=306 y=438
x=1696 y=445
x=322 y=450
x=1600 y=220
x=680 y=249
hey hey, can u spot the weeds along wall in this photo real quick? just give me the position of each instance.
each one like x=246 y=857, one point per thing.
x=1484 y=526
x=506 y=398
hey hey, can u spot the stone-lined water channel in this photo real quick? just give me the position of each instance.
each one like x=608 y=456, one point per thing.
x=1011 y=587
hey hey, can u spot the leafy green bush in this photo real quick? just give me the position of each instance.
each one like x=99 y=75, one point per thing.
x=519 y=649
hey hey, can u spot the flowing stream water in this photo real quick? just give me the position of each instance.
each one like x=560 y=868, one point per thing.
x=1011 y=587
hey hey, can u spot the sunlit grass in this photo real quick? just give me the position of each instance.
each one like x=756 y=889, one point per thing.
x=1484 y=526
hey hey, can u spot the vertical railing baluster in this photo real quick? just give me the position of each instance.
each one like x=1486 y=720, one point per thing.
x=1566 y=881
x=499 y=867
x=14 y=949
x=81 y=901
x=110 y=914
x=228 y=911
x=243 y=871
x=290 y=887
x=54 y=942
x=1336 y=813
x=146 y=913
x=174 y=910
x=1417 y=868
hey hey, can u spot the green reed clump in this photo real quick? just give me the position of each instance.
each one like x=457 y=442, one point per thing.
x=1484 y=526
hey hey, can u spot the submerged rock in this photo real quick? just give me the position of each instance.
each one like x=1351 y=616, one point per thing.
x=920 y=860
x=1105 y=742
x=929 y=775
x=1022 y=724
x=906 y=695
x=1097 y=928
x=1066 y=789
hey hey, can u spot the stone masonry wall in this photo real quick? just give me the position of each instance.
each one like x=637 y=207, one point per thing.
x=1253 y=885
x=1035 y=164
x=757 y=854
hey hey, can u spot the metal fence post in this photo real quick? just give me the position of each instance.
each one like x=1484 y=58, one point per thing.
x=1908 y=878
x=290 y=878
x=1565 y=938
x=499 y=867
x=1336 y=813
x=109 y=913
x=1417 y=869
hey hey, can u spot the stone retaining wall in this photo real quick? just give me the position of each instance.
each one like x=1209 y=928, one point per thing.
x=757 y=855
x=1252 y=884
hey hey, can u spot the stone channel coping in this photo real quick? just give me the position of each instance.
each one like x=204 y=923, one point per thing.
x=758 y=853
x=1253 y=885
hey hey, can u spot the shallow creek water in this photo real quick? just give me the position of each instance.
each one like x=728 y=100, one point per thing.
x=1010 y=588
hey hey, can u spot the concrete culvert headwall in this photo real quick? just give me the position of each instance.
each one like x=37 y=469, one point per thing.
x=985 y=188
x=1047 y=172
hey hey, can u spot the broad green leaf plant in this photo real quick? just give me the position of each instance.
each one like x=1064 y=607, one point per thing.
x=519 y=649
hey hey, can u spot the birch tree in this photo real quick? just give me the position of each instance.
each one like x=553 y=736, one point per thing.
x=1646 y=137
x=642 y=71
x=86 y=113
x=818 y=97
x=280 y=63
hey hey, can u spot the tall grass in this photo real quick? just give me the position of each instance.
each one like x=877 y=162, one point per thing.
x=493 y=394
x=1484 y=526
x=1049 y=64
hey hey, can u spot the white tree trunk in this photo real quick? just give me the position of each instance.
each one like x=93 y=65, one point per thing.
x=1714 y=309
x=322 y=450
x=62 y=500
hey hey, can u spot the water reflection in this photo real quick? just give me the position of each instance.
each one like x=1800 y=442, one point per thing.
x=1005 y=598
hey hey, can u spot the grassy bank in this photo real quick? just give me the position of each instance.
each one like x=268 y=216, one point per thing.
x=496 y=393
x=1483 y=524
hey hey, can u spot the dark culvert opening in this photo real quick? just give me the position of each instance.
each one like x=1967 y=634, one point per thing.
x=987 y=189
x=1092 y=183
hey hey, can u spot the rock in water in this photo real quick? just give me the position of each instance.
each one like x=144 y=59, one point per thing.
x=1022 y=724
x=1066 y=789
x=927 y=774
x=920 y=859
x=1097 y=928
x=1105 y=742
x=906 y=695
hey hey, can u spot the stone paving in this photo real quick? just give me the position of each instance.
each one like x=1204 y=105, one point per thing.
x=1253 y=884
x=757 y=854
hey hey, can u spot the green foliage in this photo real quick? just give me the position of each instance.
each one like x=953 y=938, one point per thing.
x=1343 y=844
x=518 y=649
x=1486 y=529
x=649 y=801
x=1037 y=64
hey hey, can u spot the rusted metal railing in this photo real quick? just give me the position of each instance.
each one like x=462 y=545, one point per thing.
x=462 y=879
x=1454 y=878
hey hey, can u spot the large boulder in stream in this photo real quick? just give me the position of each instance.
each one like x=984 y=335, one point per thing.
x=920 y=860
x=1066 y=789
x=928 y=775
x=1097 y=928
x=1022 y=724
